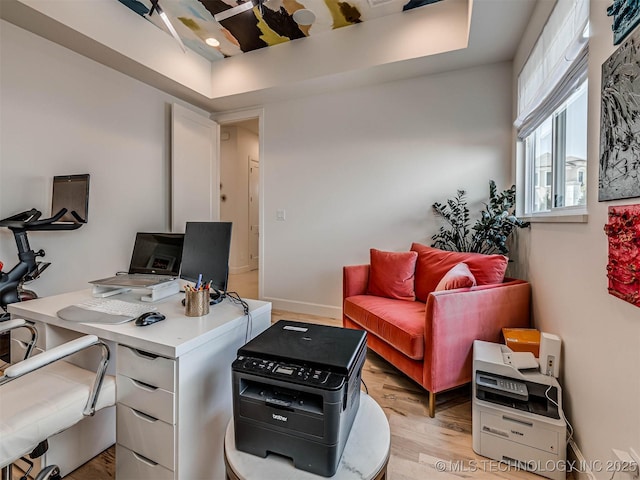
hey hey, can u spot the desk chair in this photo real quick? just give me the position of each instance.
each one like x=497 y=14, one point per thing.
x=41 y=396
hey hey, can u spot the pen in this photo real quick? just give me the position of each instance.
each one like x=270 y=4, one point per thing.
x=199 y=282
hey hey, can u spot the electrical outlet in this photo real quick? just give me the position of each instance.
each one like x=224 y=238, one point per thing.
x=625 y=462
x=550 y=364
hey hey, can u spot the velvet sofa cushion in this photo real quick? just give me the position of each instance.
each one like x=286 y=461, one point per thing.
x=392 y=274
x=410 y=367
x=398 y=322
x=458 y=277
x=434 y=263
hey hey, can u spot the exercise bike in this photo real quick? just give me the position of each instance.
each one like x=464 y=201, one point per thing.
x=28 y=268
x=12 y=288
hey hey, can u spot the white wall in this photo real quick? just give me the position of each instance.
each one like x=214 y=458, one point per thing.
x=137 y=46
x=234 y=173
x=361 y=169
x=566 y=265
x=64 y=114
x=353 y=170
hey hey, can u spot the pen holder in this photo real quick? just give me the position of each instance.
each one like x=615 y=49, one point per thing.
x=196 y=303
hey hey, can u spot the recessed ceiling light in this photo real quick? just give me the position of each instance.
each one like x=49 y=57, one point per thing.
x=304 y=16
x=212 y=42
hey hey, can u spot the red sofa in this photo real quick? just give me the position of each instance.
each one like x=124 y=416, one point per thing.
x=431 y=340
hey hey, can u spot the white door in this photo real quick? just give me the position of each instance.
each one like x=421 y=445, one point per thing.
x=195 y=169
x=254 y=216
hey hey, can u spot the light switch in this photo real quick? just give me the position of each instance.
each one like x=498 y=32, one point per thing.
x=280 y=215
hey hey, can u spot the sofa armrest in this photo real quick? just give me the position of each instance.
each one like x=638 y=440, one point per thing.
x=455 y=318
x=355 y=280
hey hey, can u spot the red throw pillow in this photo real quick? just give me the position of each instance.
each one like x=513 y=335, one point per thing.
x=434 y=263
x=458 y=277
x=392 y=274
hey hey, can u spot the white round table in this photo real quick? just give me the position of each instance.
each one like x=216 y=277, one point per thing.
x=365 y=455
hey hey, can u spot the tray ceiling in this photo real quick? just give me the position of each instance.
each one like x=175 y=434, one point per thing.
x=256 y=24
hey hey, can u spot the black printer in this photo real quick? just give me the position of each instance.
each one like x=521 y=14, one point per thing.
x=296 y=392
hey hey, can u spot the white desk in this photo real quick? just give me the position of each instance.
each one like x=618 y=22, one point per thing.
x=173 y=386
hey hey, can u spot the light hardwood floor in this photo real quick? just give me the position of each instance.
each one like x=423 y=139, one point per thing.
x=245 y=284
x=421 y=447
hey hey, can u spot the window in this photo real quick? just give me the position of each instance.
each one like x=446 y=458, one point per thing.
x=552 y=116
x=556 y=158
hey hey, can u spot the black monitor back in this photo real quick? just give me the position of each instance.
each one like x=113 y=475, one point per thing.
x=206 y=251
x=71 y=192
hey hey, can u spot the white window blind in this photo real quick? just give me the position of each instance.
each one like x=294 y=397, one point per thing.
x=556 y=66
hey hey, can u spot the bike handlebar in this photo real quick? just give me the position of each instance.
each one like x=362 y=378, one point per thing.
x=28 y=268
x=29 y=220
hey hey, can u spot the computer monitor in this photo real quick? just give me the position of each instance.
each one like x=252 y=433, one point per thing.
x=206 y=253
x=157 y=253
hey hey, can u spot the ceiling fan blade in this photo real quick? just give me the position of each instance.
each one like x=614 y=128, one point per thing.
x=243 y=7
x=156 y=6
x=175 y=35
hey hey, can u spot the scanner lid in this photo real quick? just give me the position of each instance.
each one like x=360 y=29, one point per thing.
x=330 y=348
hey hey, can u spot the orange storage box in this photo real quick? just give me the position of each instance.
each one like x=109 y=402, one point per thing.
x=522 y=340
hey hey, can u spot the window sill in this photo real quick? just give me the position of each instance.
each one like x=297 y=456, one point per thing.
x=555 y=217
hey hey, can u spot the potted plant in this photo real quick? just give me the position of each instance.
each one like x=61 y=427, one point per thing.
x=490 y=232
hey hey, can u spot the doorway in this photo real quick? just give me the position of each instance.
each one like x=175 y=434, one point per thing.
x=240 y=201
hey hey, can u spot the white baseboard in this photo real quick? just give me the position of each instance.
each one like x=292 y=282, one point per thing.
x=581 y=471
x=304 y=307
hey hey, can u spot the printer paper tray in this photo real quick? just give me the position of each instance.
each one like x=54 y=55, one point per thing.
x=520 y=430
x=280 y=407
x=285 y=419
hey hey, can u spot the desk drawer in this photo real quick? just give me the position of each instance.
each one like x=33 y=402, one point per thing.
x=146 y=367
x=133 y=466
x=147 y=399
x=147 y=436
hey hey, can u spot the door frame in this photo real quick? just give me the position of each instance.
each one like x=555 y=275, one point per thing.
x=254 y=163
x=226 y=118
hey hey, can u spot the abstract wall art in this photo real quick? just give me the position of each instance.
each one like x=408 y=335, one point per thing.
x=623 y=269
x=626 y=15
x=619 y=174
x=264 y=22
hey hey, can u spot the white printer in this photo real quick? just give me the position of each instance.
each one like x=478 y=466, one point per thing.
x=517 y=413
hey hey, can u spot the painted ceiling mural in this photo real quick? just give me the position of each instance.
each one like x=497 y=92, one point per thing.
x=201 y=26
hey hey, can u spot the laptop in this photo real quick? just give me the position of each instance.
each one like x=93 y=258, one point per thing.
x=155 y=260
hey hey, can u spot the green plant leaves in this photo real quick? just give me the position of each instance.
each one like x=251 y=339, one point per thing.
x=456 y=214
x=490 y=232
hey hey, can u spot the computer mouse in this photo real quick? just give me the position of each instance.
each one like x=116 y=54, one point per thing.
x=149 y=318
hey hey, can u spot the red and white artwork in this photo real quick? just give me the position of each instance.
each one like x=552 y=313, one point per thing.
x=623 y=269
